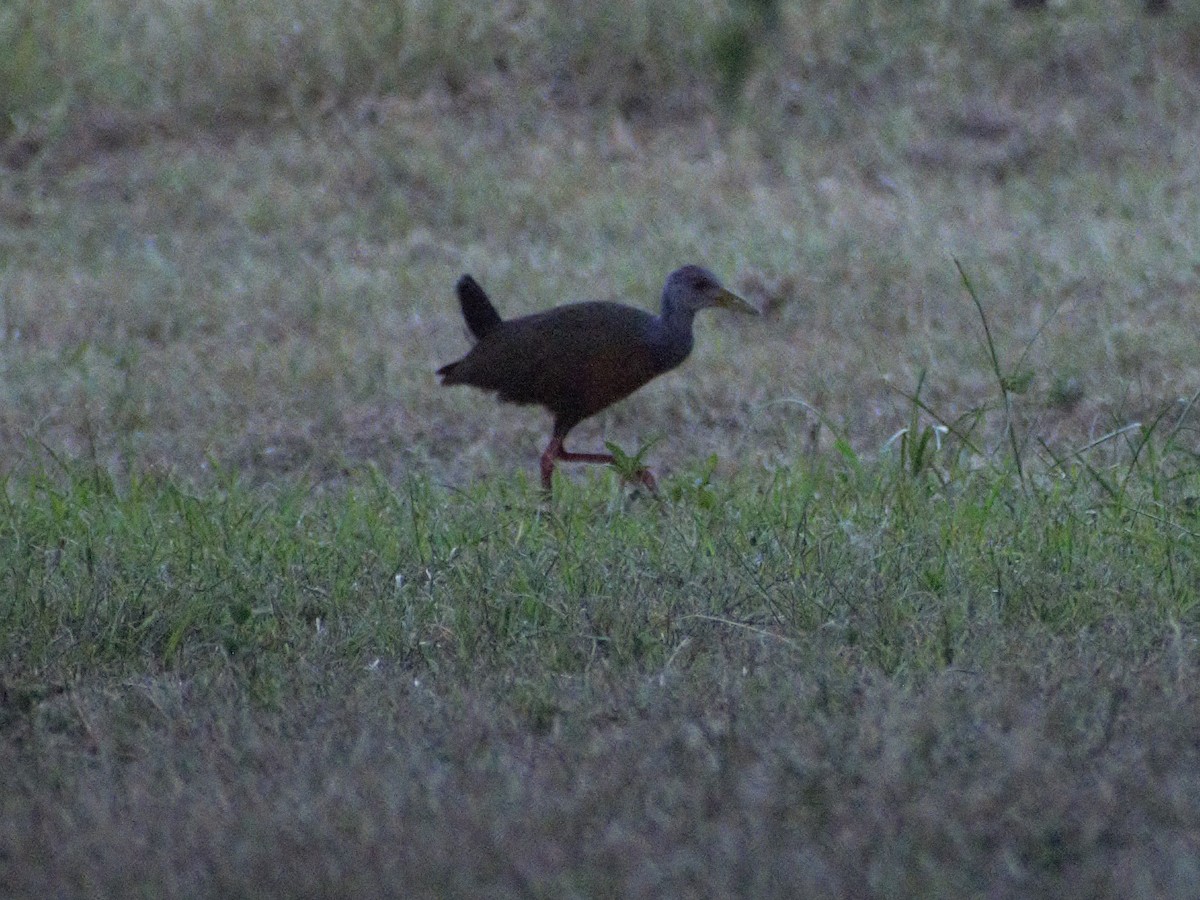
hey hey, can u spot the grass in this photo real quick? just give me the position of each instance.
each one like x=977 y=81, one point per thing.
x=916 y=613
x=842 y=680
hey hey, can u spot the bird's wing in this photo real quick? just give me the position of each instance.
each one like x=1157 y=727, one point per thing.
x=575 y=359
x=592 y=357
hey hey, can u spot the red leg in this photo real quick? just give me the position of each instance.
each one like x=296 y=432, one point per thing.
x=547 y=461
x=568 y=456
x=556 y=451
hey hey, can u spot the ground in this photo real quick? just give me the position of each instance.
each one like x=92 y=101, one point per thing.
x=916 y=612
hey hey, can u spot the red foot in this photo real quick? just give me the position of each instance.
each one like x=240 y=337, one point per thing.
x=646 y=477
x=556 y=451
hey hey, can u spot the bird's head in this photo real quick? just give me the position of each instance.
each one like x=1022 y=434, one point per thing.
x=693 y=287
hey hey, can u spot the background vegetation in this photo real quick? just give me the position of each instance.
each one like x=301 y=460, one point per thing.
x=916 y=614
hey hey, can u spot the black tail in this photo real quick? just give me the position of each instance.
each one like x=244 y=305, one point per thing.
x=477 y=309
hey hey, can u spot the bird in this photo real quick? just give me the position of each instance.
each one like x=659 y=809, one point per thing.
x=580 y=358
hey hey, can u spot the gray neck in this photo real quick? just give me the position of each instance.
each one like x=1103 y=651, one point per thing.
x=675 y=330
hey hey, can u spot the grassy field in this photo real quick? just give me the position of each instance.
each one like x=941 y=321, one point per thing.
x=916 y=614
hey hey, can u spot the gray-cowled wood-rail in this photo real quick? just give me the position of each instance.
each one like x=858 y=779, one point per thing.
x=578 y=359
